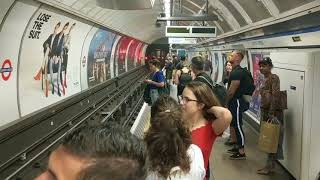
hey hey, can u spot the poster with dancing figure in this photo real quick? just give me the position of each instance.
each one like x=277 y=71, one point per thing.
x=49 y=68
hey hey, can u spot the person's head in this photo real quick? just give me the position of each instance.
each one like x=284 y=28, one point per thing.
x=56 y=28
x=183 y=58
x=72 y=26
x=154 y=64
x=228 y=67
x=96 y=153
x=65 y=28
x=197 y=64
x=168 y=138
x=236 y=58
x=265 y=65
x=197 y=98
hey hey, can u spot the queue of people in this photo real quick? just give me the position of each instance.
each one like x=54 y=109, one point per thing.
x=181 y=135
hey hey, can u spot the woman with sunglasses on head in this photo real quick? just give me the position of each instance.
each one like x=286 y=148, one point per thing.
x=171 y=154
x=269 y=110
x=204 y=116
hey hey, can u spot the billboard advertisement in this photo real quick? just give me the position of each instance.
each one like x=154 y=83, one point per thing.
x=98 y=58
x=49 y=68
x=258 y=80
x=131 y=54
x=122 y=47
x=215 y=67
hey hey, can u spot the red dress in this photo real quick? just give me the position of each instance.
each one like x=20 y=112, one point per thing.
x=204 y=138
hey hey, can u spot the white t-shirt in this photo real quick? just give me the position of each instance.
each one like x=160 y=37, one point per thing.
x=197 y=171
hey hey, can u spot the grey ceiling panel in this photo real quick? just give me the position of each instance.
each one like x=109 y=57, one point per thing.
x=234 y=12
x=255 y=9
x=285 y=5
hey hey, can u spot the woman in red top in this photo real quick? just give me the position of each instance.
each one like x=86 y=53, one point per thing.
x=206 y=120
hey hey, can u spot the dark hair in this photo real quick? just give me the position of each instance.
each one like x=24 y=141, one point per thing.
x=155 y=62
x=104 y=145
x=266 y=61
x=204 y=95
x=197 y=63
x=67 y=24
x=183 y=58
x=168 y=138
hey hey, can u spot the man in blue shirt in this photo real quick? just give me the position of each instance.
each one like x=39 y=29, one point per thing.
x=157 y=82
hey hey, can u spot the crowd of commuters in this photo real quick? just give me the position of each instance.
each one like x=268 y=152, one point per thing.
x=180 y=139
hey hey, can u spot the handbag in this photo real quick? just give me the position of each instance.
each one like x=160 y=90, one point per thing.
x=269 y=136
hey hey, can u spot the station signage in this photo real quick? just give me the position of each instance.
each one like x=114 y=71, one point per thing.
x=191 y=31
x=182 y=40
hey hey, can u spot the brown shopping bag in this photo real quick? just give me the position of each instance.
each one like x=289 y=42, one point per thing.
x=269 y=137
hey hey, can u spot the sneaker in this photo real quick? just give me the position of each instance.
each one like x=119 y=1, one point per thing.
x=238 y=156
x=233 y=150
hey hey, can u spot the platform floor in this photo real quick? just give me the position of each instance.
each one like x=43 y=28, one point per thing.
x=225 y=169
x=222 y=168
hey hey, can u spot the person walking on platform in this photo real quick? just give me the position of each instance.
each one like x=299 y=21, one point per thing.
x=169 y=150
x=236 y=103
x=157 y=82
x=205 y=118
x=269 y=91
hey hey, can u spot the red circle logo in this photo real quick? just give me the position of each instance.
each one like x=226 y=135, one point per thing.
x=6 y=69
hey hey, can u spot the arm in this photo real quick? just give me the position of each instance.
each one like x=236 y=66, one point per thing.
x=275 y=90
x=177 y=76
x=158 y=77
x=232 y=90
x=223 y=120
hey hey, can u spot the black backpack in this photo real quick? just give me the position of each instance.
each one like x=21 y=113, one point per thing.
x=249 y=83
x=218 y=90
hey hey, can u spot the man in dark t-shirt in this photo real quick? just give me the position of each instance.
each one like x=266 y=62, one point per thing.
x=236 y=104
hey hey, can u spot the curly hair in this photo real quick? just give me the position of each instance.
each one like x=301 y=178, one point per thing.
x=167 y=139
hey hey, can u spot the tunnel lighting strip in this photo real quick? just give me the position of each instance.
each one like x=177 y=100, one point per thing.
x=167 y=9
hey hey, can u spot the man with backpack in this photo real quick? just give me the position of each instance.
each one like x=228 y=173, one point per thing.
x=182 y=77
x=240 y=89
x=197 y=67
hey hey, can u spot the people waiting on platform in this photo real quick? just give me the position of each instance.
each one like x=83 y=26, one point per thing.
x=157 y=82
x=269 y=111
x=171 y=154
x=204 y=117
x=97 y=153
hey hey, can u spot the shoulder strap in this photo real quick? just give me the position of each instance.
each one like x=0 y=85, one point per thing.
x=202 y=77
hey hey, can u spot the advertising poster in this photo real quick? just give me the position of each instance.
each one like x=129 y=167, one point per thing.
x=120 y=64
x=113 y=71
x=99 y=57
x=10 y=34
x=258 y=80
x=215 y=70
x=143 y=54
x=224 y=61
x=131 y=54
x=49 y=67
x=138 y=55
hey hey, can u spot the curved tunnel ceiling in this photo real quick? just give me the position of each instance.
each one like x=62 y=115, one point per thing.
x=235 y=16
